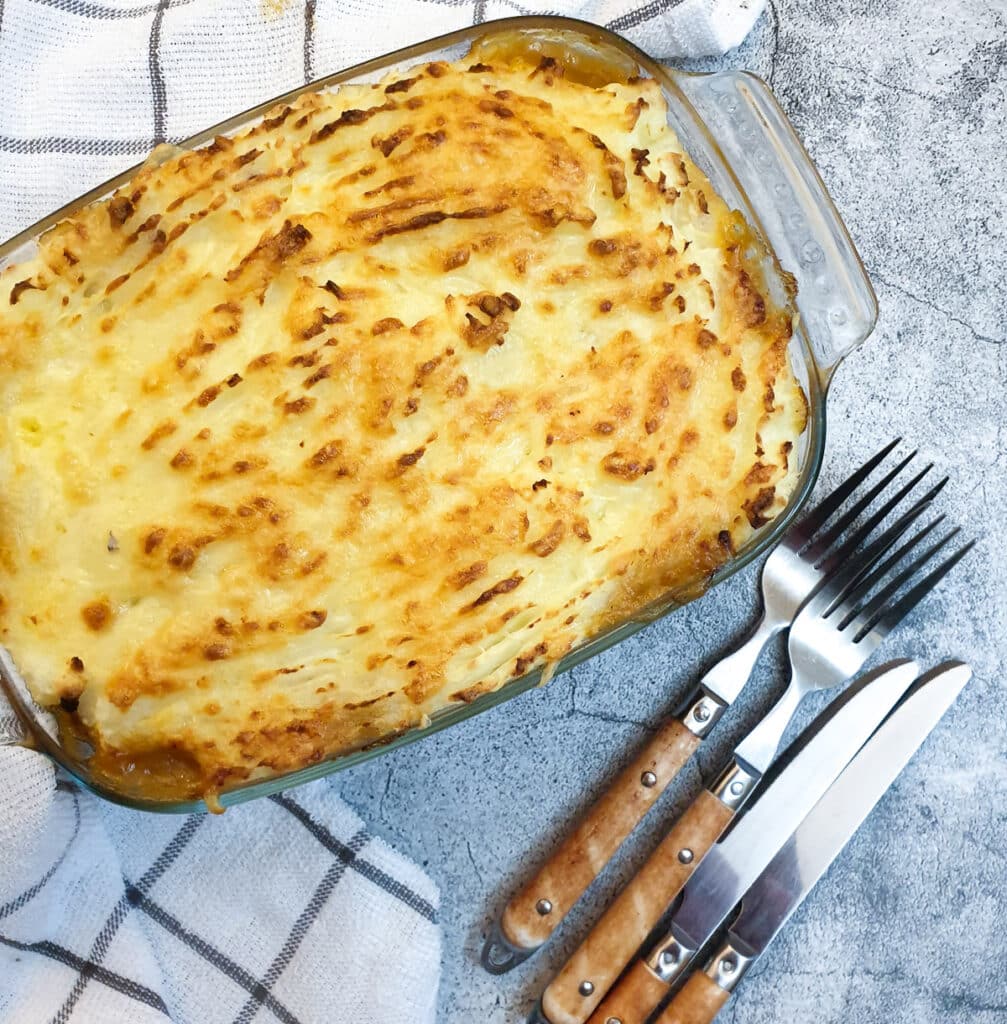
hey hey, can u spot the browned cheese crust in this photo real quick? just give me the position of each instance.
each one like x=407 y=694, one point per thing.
x=398 y=395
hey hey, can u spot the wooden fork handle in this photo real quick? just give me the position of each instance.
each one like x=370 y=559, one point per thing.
x=587 y=976
x=698 y=1002
x=533 y=914
x=633 y=999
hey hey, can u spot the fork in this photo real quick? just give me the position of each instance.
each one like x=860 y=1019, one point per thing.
x=836 y=631
x=808 y=552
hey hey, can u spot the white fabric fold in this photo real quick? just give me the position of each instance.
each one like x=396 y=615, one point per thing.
x=284 y=909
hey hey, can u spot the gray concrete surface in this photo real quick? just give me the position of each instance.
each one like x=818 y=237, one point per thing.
x=904 y=110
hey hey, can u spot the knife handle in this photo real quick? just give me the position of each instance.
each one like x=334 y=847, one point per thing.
x=703 y=996
x=585 y=978
x=634 y=998
x=535 y=912
x=698 y=1002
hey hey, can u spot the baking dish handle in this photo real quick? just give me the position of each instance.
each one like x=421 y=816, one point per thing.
x=835 y=300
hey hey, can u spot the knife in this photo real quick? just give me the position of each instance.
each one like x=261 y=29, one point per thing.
x=802 y=860
x=837 y=735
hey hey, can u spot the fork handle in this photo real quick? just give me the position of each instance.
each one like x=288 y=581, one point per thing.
x=726 y=678
x=537 y=910
x=534 y=913
x=585 y=978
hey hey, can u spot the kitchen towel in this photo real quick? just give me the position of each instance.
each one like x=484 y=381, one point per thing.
x=286 y=909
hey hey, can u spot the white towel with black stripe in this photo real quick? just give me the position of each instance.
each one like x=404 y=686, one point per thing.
x=286 y=909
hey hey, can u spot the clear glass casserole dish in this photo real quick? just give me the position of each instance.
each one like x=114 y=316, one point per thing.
x=732 y=127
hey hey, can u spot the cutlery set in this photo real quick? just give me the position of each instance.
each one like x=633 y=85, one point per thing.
x=750 y=847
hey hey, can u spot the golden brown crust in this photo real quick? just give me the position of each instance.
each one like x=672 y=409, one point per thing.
x=407 y=390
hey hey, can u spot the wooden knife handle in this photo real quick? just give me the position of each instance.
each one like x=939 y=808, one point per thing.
x=533 y=914
x=634 y=999
x=698 y=1002
x=585 y=978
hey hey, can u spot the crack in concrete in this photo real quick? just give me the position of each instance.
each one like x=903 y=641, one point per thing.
x=880 y=81
x=475 y=866
x=985 y=339
x=572 y=710
x=980 y=486
x=381 y=802
x=771 y=78
x=602 y=716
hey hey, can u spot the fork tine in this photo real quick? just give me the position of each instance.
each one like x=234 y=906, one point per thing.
x=867 y=610
x=856 y=539
x=837 y=530
x=893 y=615
x=824 y=509
x=830 y=559
x=846 y=578
x=897 y=556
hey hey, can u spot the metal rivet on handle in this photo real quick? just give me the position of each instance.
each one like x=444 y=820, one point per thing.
x=612 y=1020
x=737 y=788
x=727 y=965
x=585 y=988
x=544 y=907
x=685 y=856
x=702 y=712
x=649 y=779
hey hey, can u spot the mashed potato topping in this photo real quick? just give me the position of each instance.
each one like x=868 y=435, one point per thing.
x=392 y=398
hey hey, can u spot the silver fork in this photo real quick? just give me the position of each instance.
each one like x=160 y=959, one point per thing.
x=846 y=619
x=808 y=553
x=866 y=594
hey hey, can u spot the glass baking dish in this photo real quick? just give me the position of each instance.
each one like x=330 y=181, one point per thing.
x=733 y=128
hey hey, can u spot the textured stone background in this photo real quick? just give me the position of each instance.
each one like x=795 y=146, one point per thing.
x=904 y=109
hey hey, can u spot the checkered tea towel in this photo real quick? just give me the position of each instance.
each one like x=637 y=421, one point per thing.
x=286 y=909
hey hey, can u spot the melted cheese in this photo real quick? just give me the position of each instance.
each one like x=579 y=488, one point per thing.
x=407 y=390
